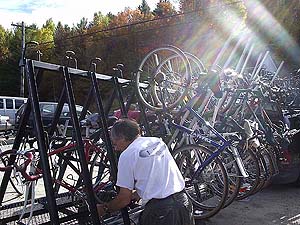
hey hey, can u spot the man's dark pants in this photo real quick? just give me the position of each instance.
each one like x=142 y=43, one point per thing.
x=176 y=209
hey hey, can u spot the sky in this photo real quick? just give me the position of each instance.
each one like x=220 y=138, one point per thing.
x=67 y=11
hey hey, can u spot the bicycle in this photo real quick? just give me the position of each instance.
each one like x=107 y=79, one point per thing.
x=167 y=123
x=61 y=156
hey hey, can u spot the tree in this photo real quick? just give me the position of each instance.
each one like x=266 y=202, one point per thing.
x=100 y=21
x=164 y=8
x=50 y=25
x=128 y=16
x=186 y=5
x=82 y=25
x=62 y=42
x=4 y=39
x=233 y=11
x=45 y=36
x=144 y=8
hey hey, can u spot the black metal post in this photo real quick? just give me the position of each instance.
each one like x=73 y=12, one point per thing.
x=107 y=140
x=80 y=148
x=108 y=143
x=129 y=102
x=144 y=119
x=110 y=102
x=86 y=104
x=58 y=110
x=52 y=207
x=119 y=92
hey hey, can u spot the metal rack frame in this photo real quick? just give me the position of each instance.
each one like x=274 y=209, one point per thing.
x=34 y=70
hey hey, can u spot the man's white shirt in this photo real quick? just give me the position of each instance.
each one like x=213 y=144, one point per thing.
x=148 y=167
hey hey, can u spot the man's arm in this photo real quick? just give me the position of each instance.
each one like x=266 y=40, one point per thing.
x=119 y=202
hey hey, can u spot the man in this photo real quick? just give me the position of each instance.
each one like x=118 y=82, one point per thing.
x=146 y=165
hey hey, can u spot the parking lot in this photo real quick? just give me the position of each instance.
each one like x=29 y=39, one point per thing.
x=278 y=204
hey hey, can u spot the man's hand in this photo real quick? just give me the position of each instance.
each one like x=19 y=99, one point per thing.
x=121 y=201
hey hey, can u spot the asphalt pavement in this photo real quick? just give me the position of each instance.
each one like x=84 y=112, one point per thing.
x=277 y=204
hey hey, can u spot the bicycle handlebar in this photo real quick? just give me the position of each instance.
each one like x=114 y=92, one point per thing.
x=23 y=167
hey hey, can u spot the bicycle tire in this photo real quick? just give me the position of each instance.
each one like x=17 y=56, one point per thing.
x=99 y=167
x=198 y=71
x=165 y=66
x=233 y=173
x=197 y=66
x=271 y=169
x=249 y=184
x=267 y=169
x=15 y=183
x=234 y=176
x=212 y=183
x=229 y=161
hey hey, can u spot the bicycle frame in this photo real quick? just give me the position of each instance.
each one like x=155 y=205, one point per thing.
x=257 y=112
x=89 y=147
x=220 y=147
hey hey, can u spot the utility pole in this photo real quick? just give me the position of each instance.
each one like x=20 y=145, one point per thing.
x=21 y=64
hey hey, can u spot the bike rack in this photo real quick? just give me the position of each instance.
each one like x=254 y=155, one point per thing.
x=34 y=70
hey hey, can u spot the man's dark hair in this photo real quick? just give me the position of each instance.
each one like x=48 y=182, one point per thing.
x=125 y=128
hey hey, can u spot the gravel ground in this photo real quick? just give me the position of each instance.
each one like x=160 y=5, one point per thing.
x=278 y=204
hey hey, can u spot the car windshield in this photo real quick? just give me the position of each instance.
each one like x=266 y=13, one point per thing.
x=48 y=110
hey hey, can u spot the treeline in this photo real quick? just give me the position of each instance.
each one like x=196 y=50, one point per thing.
x=198 y=27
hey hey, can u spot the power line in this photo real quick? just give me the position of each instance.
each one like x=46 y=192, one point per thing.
x=142 y=22
x=135 y=32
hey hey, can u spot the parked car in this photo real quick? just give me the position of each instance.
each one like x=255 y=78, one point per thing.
x=10 y=105
x=47 y=110
x=5 y=123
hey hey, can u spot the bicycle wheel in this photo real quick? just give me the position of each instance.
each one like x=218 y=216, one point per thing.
x=249 y=184
x=15 y=177
x=234 y=176
x=198 y=69
x=99 y=166
x=208 y=191
x=233 y=171
x=163 y=78
x=266 y=168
